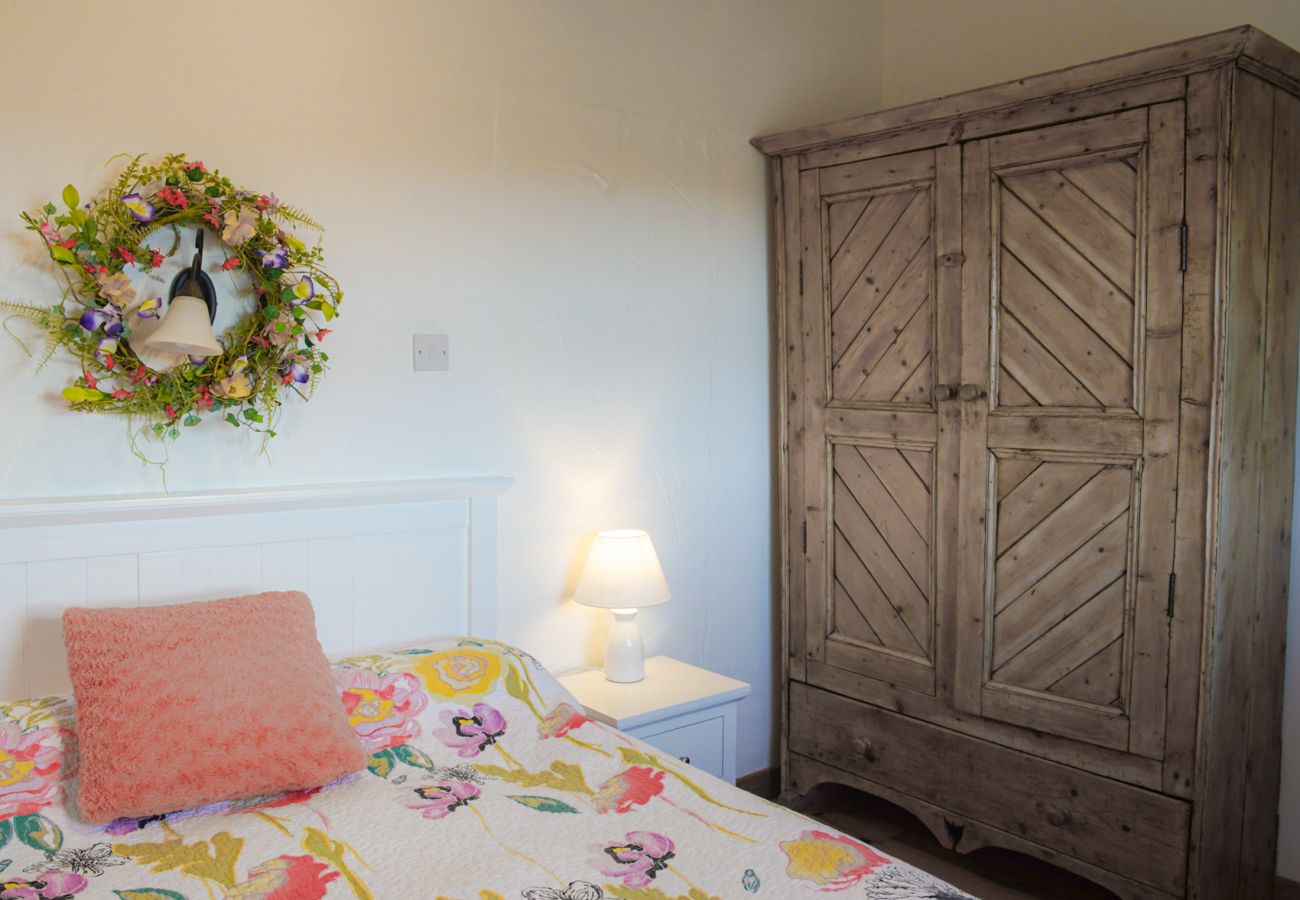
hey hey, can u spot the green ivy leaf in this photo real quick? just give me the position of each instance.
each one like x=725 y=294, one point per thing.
x=77 y=394
x=252 y=415
x=39 y=833
x=71 y=199
x=382 y=763
x=49 y=209
x=212 y=190
x=413 y=757
x=191 y=420
x=194 y=174
x=230 y=417
x=149 y=894
x=543 y=804
x=63 y=256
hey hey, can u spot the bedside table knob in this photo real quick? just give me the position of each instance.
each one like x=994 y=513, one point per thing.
x=863 y=748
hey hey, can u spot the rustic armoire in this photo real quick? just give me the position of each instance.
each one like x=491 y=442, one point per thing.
x=1038 y=348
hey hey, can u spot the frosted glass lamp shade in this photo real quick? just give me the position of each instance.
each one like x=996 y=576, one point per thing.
x=186 y=329
x=622 y=572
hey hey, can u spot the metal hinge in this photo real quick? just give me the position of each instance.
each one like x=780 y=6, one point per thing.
x=801 y=278
x=805 y=537
x=1169 y=610
x=1182 y=248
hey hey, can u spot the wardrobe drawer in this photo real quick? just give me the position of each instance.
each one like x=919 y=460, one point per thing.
x=1127 y=830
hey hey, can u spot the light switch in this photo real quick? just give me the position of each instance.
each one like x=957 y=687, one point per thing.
x=431 y=353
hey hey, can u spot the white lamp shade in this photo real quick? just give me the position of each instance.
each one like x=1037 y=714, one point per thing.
x=186 y=329
x=622 y=572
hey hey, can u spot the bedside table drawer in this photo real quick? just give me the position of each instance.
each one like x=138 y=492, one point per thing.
x=699 y=743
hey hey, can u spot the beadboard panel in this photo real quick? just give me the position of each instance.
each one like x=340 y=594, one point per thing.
x=383 y=567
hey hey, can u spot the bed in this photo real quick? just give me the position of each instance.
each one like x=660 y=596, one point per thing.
x=484 y=780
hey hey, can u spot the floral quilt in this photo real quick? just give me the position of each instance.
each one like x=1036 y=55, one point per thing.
x=485 y=782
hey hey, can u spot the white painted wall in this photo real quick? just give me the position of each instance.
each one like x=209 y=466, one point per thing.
x=566 y=188
x=935 y=47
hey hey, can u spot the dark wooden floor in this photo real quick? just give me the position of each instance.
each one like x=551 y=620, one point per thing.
x=988 y=874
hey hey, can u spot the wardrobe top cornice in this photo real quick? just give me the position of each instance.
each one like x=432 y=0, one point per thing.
x=1247 y=46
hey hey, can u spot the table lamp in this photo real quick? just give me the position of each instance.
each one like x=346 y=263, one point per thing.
x=622 y=575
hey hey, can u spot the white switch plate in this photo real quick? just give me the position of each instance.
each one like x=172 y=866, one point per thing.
x=431 y=353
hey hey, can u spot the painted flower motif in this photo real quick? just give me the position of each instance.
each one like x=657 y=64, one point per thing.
x=577 y=890
x=276 y=259
x=93 y=860
x=240 y=226
x=381 y=708
x=303 y=291
x=116 y=289
x=633 y=787
x=174 y=197
x=284 y=878
x=49 y=886
x=637 y=859
x=140 y=208
x=470 y=733
x=831 y=862
x=444 y=797
x=461 y=670
x=560 y=721
x=29 y=766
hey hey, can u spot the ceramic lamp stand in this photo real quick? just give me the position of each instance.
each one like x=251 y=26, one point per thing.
x=624 y=652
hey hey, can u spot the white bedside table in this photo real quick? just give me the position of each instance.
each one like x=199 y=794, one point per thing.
x=679 y=708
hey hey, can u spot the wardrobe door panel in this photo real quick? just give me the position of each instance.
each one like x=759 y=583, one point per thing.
x=877 y=556
x=1070 y=455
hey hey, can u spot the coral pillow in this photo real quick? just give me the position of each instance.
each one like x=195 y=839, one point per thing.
x=178 y=706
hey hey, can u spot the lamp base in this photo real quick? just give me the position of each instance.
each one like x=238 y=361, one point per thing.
x=624 y=652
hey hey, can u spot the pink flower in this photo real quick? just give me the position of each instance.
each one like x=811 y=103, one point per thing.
x=195 y=164
x=156 y=260
x=212 y=220
x=45 y=886
x=91 y=381
x=560 y=721
x=381 y=708
x=125 y=254
x=232 y=263
x=286 y=878
x=173 y=197
x=634 y=787
x=122 y=394
x=29 y=766
x=637 y=859
x=445 y=797
x=471 y=733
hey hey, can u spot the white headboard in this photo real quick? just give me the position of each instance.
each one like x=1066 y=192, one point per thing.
x=384 y=563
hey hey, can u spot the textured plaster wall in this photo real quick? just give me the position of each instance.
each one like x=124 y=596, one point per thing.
x=565 y=188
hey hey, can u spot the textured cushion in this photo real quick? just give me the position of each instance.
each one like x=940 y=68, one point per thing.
x=178 y=706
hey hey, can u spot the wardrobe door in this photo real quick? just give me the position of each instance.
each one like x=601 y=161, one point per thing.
x=879 y=321
x=1071 y=315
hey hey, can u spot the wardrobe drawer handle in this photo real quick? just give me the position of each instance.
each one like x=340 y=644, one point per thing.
x=969 y=392
x=945 y=392
x=862 y=747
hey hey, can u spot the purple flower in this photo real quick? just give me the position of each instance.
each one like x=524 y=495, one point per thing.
x=276 y=259
x=43 y=887
x=303 y=291
x=298 y=372
x=637 y=859
x=471 y=734
x=106 y=318
x=141 y=208
x=445 y=797
x=92 y=319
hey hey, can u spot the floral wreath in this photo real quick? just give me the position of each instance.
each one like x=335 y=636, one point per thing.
x=271 y=351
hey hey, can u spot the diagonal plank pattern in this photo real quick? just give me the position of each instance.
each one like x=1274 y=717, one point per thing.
x=881 y=273
x=882 y=558
x=1067 y=265
x=1061 y=577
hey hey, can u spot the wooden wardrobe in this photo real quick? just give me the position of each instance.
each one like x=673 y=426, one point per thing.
x=1038 y=348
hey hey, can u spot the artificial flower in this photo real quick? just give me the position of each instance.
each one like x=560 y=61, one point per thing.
x=29 y=769
x=266 y=201
x=303 y=291
x=140 y=208
x=232 y=263
x=276 y=259
x=104 y=352
x=445 y=797
x=91 y=381
x=196 y=164
x=285 y=878
x=381 y=709
x=471 y=732
x=174 y=197
x=459 y=671
x=831 y=862
x=156 y=260
x=50 y=233
x=240 y=226
x=233 y=387
x=126 y=255
x=637 y=859
x=212 y=220
x=116 y=289
x=148 y=309
x=122 y=394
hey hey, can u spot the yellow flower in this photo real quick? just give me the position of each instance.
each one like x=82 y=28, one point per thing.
x=234 y=387
x=463 y=670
